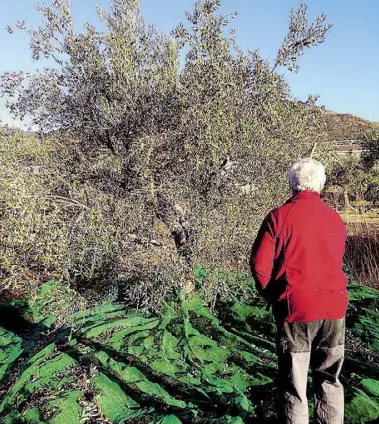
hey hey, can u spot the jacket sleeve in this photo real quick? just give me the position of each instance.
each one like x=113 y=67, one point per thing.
x=263 y=254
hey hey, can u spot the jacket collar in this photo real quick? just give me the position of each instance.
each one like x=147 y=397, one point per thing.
x=305 y=195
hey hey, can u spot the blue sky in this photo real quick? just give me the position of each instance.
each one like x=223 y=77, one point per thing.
x=344 y=70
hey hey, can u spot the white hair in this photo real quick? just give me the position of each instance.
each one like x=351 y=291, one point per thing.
x=307 y=175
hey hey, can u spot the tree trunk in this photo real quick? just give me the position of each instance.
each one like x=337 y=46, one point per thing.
x=177 y=221
x=346 y=199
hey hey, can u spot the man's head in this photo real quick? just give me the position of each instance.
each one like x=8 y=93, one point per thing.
x=307 y=175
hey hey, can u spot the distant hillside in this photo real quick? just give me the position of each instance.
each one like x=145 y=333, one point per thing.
x=339 y=126
x=347 y=127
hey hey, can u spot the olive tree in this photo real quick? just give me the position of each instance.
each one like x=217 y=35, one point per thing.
x=204 y=148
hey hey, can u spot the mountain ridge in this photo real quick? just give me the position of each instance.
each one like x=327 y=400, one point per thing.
x=346 y=126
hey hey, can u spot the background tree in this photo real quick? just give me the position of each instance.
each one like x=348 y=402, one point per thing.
x=371 y=149
x=351 y=176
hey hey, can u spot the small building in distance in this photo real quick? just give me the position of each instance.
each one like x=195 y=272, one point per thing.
x=349 y=147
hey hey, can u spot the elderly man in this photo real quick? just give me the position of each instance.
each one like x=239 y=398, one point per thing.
x=297 y=262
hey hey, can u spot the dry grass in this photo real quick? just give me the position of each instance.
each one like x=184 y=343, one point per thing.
x=362 y=250
x=362 y=247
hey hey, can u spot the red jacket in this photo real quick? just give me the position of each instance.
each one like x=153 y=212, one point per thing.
x=297 y=260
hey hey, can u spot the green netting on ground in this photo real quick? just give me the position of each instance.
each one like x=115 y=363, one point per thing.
x=183 y=366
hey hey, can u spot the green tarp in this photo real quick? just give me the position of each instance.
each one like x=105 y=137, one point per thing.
x=184 y=365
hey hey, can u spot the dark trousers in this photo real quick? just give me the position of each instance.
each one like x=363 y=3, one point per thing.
x=318 y=345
